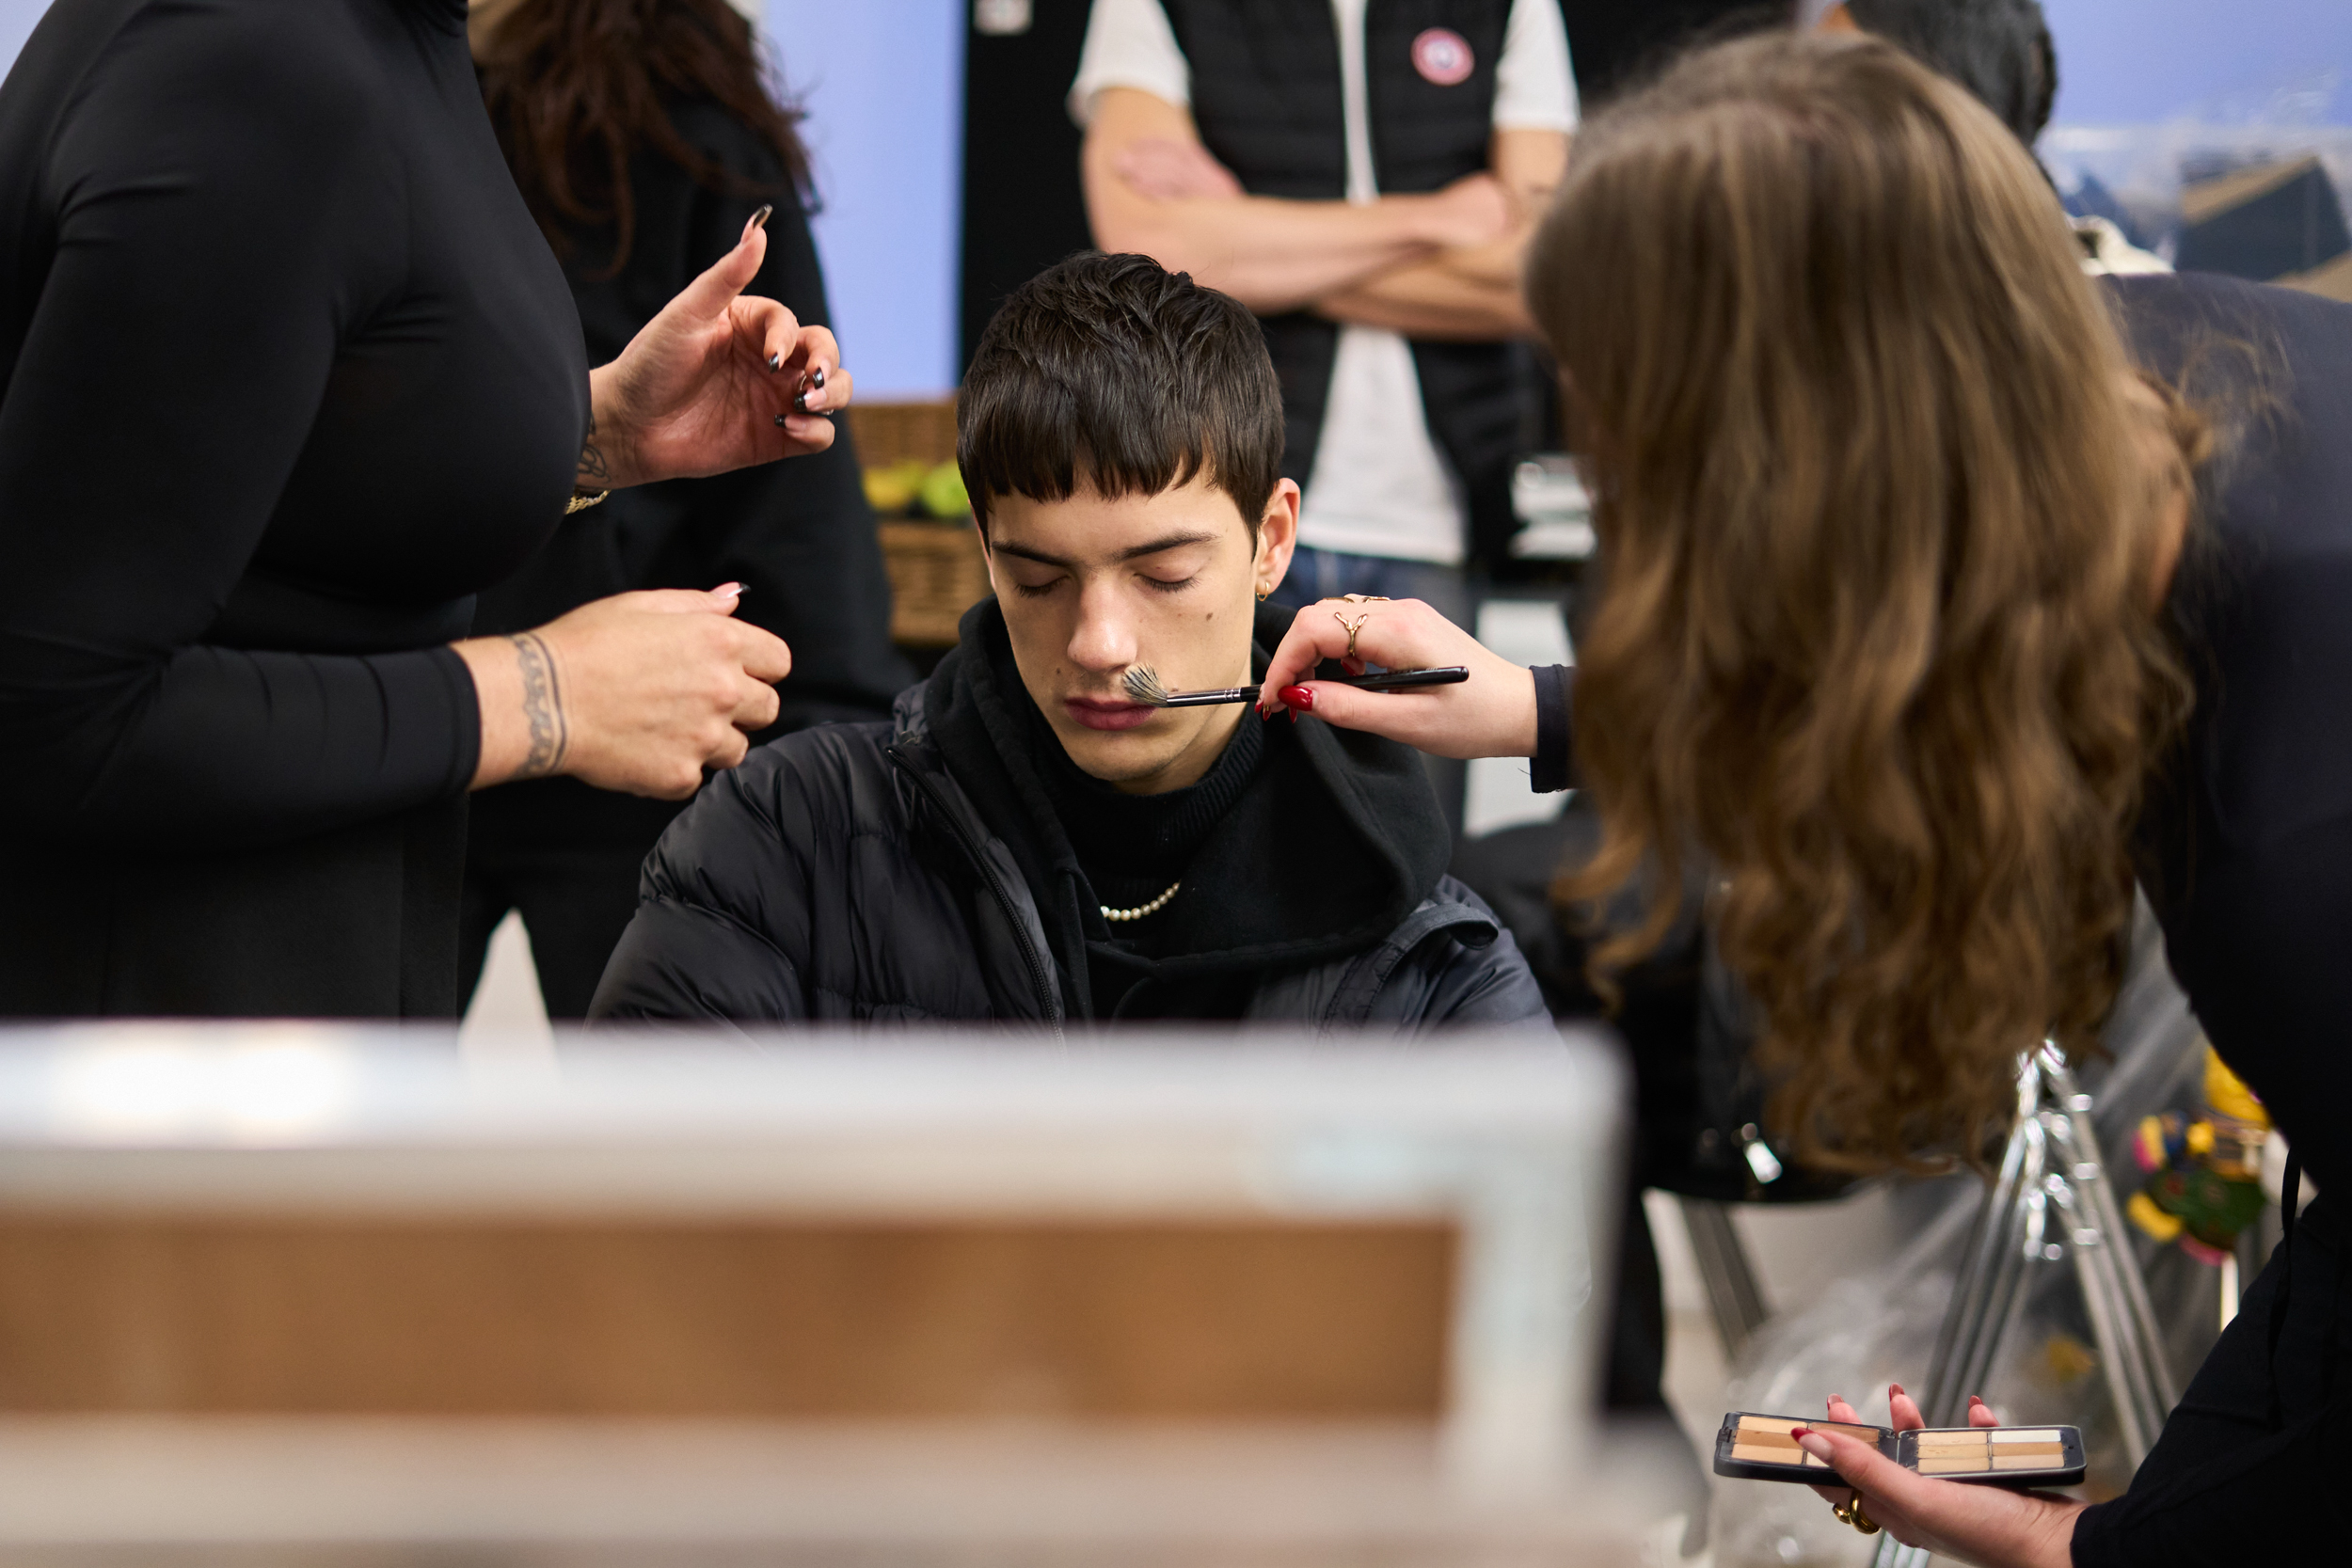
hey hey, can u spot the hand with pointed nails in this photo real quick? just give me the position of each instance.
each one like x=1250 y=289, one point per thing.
x=719 y=380
x=1988 y=1526
x=1493 y=714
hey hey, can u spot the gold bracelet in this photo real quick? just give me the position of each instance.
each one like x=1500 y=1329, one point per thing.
x=582 y=502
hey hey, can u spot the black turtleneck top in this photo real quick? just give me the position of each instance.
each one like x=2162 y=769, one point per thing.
x=288 y=375
x=1131 y=847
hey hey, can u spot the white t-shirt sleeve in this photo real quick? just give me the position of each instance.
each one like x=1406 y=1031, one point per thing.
x=1534 y=87
x=1130 y=45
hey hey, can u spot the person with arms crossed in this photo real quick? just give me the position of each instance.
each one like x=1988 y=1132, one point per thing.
x=1362 y=174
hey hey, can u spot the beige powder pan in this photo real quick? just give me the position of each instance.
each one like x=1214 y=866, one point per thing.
x=1755 y=1447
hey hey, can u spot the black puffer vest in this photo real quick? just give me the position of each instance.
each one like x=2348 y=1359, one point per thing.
x=1266 y=96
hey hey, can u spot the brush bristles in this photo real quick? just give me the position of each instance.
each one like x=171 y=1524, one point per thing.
x=1144 y=686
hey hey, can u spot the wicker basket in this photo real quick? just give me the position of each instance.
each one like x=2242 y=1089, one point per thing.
x=936 y=571
x=887 y=432
x=936 y=574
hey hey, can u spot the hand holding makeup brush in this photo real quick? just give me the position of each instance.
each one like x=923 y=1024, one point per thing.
x=1493 y=714
x=1988 y=1525
x=719 y=380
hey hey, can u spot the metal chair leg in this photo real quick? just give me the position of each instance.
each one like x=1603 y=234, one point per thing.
x=2051 y=1201
x=1725 y=1267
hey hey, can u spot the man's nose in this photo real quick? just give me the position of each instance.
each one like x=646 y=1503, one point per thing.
x=1105 y=638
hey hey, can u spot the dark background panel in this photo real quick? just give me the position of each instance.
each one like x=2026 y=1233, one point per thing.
x=1022 y=207
x=1613 y=44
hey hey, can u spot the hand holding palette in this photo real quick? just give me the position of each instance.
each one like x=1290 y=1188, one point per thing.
x=1759 y=1447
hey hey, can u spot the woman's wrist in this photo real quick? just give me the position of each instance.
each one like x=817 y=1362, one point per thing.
x=605 y=453
x=518 y=687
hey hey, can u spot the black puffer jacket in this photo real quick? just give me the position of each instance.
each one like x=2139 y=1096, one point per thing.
x=913 y=871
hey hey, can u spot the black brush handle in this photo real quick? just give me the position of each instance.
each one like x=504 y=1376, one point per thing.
x=1210 y=699
x=1388 y=680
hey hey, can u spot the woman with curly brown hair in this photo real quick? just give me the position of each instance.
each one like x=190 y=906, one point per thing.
x=1899 y=636
x=640 y=132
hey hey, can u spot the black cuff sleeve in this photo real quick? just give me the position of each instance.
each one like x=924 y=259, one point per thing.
x=1548 y=769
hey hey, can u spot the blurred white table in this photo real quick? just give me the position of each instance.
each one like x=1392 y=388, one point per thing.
x=1510 y=1140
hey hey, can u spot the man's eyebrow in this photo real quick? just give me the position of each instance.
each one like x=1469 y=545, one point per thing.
x=1000 y=547
x=1173 y=541
x=1169 y=542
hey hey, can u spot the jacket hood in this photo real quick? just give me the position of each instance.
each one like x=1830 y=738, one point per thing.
x=1336 y=840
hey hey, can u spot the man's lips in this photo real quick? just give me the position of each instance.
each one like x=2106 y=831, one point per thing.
x=1103 y=713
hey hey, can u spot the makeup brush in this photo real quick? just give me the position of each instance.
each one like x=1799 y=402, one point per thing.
x=1144 y=687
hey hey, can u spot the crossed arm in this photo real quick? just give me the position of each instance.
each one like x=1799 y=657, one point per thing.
x=1444 y=264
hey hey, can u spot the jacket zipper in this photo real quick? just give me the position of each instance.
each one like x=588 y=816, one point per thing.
x=1038 y=980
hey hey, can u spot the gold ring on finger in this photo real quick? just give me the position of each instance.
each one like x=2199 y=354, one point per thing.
x=1351 y=627
x=1861 y=1521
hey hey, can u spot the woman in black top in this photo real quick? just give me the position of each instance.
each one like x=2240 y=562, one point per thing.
x=289 y=374
x=2239 y=820
x=642 y=136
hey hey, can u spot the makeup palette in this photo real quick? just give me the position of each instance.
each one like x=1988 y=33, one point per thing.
x=1759 y=1447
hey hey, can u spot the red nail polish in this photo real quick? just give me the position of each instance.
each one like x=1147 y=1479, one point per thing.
x=1799 y=1431
x=1893 y=1389
x=1300 y=698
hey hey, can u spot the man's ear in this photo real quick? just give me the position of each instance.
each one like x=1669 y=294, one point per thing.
x=1277 y=537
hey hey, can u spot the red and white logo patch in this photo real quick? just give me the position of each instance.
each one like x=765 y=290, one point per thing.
x=1443 y=57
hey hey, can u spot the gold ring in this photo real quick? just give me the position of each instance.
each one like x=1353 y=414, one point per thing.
x=1845 y=1509
x=1351 y=627
x=1861 y=1521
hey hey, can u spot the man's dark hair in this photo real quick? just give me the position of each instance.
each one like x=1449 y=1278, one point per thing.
x=1999 y=50
x=1114 y=373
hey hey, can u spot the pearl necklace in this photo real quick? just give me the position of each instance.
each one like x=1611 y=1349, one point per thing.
x=1155 y=907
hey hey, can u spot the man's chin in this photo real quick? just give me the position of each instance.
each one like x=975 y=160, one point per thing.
x=1119 y=758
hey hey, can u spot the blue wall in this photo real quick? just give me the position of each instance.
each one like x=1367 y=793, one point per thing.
x=882 y=81
x=2140 y=62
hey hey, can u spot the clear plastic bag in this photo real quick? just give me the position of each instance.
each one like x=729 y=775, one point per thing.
x=1879 y=1325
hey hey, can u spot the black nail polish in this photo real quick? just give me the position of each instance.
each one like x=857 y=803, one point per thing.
x=759 y=219
x=818 y=376
x=776 y=361
x=779 y=419
x=800 y=403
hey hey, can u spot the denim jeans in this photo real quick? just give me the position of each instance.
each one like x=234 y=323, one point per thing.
x=1327 y=574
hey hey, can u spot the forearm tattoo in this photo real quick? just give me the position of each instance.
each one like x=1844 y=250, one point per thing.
x=543 y=708
x=591 y=473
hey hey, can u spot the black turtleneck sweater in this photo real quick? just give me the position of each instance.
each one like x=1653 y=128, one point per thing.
x=1132 y=846
x=289 y=373
x=1303 y=844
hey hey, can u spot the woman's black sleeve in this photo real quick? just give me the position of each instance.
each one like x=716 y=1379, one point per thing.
x=203 y=267
x=1548 y=769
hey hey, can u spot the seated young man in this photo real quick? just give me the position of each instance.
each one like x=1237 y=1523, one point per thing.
x=1023 y=841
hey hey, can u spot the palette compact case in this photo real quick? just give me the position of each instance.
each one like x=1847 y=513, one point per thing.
x=1758 y=1447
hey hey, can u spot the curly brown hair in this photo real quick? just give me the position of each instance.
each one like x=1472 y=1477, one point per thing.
x=576 y=88
x=1876 y=639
